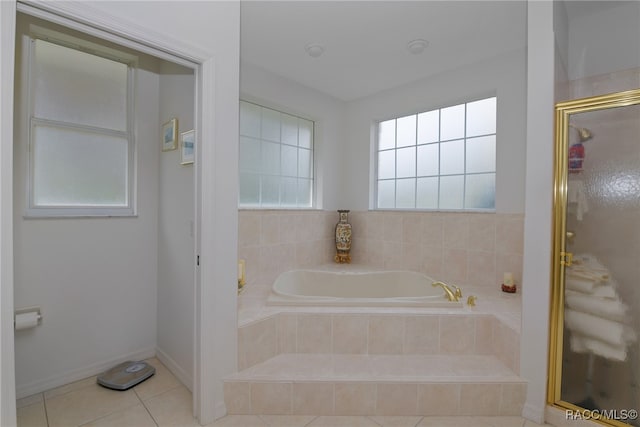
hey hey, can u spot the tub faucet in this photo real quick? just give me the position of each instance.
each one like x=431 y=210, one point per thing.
x=458 y=291
x=451 y=296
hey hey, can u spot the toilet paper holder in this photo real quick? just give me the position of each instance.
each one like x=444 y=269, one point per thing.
x=20 y=313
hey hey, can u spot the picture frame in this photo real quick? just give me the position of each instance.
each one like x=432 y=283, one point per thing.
x=170 y=135
x=187 y=147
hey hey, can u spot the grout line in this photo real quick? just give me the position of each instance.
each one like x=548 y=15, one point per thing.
x=110 y=413
x=312 y=420
x=46 y=413
x=150 y=414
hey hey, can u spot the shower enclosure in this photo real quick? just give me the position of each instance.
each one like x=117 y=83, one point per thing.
x=594 y=357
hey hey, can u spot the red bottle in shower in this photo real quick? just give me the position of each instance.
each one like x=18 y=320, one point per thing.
x=576 y=157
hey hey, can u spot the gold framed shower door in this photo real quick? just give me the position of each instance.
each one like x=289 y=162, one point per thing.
x=561 y=258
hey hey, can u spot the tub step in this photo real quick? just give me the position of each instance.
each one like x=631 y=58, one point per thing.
x=338 y=384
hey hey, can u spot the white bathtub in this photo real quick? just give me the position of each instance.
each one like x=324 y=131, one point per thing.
x=357 y=289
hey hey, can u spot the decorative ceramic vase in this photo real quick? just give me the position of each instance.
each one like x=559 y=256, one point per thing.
x=343 y=238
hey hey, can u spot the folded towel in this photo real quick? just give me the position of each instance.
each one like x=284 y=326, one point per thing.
x=588 y=262
x=578 y=284
x=605 y=291
x=608 y=308
x=582 y=344
x=608 y=331
x=590 y=287
x=587 y=274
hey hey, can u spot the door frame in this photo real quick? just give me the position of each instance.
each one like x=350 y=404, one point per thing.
x=560 y=258
x=7 y=356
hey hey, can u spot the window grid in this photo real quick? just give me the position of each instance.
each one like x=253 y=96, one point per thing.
x=416 y=176
x=302 y=181
x=83 y=208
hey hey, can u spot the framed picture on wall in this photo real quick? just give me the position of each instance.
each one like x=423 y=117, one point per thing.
x=170 y=135
x=187 y=147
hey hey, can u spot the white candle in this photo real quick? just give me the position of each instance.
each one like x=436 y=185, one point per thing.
x=508 y=279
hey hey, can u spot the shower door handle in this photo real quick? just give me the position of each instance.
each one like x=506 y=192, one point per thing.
x=566 y=259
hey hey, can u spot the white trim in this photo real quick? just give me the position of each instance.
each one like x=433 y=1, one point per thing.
x=533 y=413
x=84 y=18
x=205 y=192
x=80 y=374
x=175 y=369
x=7 y=357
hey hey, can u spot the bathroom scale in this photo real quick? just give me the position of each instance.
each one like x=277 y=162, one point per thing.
x=126 y=375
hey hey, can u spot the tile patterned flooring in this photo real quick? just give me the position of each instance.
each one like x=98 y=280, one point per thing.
x=163 y=401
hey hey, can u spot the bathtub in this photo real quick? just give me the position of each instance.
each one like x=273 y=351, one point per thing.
x=357 y=289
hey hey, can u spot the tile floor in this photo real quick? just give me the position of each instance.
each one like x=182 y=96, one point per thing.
x=159 y=401
x=163 y=401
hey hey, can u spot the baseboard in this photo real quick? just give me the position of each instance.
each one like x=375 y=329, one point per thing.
x=533 y=413
x=25 y=390
x=220 y=410
x=175 y=369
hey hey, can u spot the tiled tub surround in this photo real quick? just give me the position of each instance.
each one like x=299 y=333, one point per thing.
x=380 y=361
x=377 y=364
x=378 y=334
x=462 y=248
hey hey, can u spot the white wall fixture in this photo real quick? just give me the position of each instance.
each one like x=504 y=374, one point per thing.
x=27 y=318
x=314 y=50
x=417 y=46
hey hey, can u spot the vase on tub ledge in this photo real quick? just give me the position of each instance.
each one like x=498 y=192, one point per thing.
x=343 y=238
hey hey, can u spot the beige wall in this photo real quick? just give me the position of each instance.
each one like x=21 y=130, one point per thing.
x=464 y=248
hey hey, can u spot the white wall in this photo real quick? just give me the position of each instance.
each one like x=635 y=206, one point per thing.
x=538 y=209
x=276 y=92
x=208 y=32
x=503 y=75
x=605 y=40
x=561 y=32
x=176 y=215
x=92 y=277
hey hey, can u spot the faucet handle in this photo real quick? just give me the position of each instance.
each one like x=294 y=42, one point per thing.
x=458 y=291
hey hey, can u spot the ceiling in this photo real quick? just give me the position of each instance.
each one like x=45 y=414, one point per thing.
x=366 y=41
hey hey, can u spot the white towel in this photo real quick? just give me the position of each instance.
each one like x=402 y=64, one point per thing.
x=605 y=330
x=582 y=344
x=608 y=308
x=577 y=197
x=587 y=274
x=605 y=291
x=579 y=284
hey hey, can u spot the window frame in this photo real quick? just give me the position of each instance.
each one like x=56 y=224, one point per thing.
x=87 y=210
x=314 y=169
x=439 y=142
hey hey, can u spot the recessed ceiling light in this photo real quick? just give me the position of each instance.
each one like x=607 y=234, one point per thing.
x=417 y=46
x=314 y=50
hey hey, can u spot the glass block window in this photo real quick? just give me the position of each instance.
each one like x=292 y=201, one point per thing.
x=81 y=144
x=276 y=158
x=440 y=159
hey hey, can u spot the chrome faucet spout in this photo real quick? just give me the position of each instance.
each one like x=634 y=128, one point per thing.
x=451 y=295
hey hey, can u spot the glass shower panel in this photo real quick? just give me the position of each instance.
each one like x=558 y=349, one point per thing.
x=601 y=362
